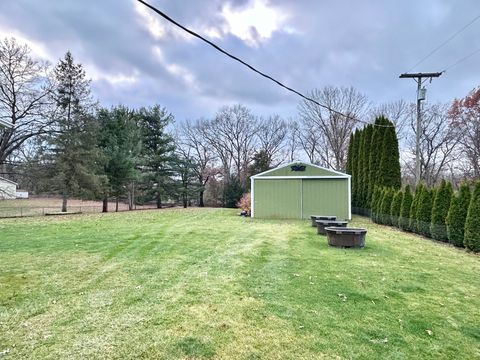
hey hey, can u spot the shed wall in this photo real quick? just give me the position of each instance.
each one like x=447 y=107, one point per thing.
x=300 y=198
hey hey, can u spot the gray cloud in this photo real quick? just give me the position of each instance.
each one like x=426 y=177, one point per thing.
x=363 y=44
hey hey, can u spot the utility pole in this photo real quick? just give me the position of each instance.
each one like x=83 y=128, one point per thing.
x=421 y=92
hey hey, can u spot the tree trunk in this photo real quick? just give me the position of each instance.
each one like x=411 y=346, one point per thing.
x=105 y=204
x=159 y=199
x=200 y=198
x=64 y=203
x=184 y=198
x=116 y=204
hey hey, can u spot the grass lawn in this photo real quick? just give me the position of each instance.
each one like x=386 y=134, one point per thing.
x=185 y=284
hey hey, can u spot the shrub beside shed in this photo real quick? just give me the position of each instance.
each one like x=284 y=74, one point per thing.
x=298 y=190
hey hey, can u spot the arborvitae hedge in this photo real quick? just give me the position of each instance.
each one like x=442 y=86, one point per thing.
x=385 y=206
x=374 y=156
x=354 y=166
x=395 y=208
x=472 y=224
x=361 y=156
x=365 y=166
x=412 y=223
x=376 y=198
x=441 y=205
x=404 y=218
x=457 y=214
x=424 y=212
x=348 y=168
x=389 y=169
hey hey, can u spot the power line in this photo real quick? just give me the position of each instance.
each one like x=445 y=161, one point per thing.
x=444 y=43
x=461 y=60
x=218 y=48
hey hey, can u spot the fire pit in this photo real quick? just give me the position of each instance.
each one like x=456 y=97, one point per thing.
x=346 y=237
x=322 y=224
x=321 y=217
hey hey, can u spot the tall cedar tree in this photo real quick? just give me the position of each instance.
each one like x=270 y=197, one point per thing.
x=72 y=146
x=374 y=156
x=365 y=166
x=348 y=167
x=472 y=224
x=404 y=219
x=385 y=206
x=395 y=208
x=158 y=148
x=424 y=212
x=120 y=144
x=376 y=204
x=457 y=214
x=412 y=224
x=361 y=152
x=355 y=170
x=389 y=169
x=441 y=205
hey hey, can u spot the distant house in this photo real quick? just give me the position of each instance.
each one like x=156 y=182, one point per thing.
x=8 y=189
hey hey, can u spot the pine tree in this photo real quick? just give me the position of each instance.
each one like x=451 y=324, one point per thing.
x=441 y=205
x=457 y=214
x=424 y=212
x=385 y=206
x=389 y=168
x=404 y=218
x=120 y=144
x=472 y=223
x=355 y=149
x=72 y=149
x=158 y=148
x=395 y=208
x=412 y=224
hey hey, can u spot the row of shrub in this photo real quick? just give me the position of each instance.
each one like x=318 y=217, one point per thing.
x=438 y=213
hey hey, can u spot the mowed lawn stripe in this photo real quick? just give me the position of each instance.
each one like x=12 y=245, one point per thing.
x=205 y=283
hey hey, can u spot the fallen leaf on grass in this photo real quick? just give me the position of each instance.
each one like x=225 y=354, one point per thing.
x=429 y=332
x=4 y=352
x=379 y=341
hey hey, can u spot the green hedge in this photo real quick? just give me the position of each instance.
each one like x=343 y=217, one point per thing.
x=457 y=214
x=472 y=223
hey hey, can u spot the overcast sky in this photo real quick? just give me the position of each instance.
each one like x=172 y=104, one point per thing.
x=135 y=58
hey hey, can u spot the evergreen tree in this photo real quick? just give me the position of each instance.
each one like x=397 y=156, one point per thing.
x=157 y=157
x=457 y=214
x=72 y=151
x=385 y=206
x=360 y=164
x=232 y=193
x=355 y=150
x=119 y=142
x=374 y=156
x=348 y=168
x=441 y=205
x=389 y=169
x=404 y=218
x=412 y=224
x=365 y=166
x=472 y=223
x=395 y=208
x=374 y=204
x=424 y=212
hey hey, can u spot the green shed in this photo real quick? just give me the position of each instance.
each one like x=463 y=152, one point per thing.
x=298 y=190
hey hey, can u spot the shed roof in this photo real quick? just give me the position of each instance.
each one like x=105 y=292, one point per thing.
x=9 y=181
x=301 y=169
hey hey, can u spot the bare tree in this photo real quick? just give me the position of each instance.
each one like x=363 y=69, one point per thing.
x=232 y=135
x=465 y=115
x=192 y=138
x=438 y=143
x=293 y=141
x=333 y=129
x=271 y=134
x=23 y=96
x=399 y=112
